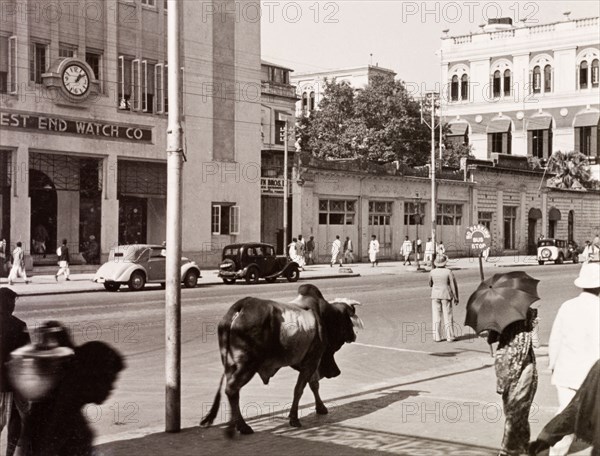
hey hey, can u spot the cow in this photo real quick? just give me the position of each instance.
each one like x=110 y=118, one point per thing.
x=262 y=336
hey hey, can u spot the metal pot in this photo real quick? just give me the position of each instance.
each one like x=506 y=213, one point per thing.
x=36 y=369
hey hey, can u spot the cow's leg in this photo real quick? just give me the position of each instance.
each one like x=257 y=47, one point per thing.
x=235 y=382
x=319 y=405
x=303 y=378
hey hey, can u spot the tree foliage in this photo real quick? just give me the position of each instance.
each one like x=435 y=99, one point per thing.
x=570 y=169
x=381 y=123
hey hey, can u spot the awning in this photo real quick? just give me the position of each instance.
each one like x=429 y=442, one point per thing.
x=458 y=129
x=535 y=214
x=539 y=123
x=587 y=119
x=499 y=126
x=554 y=214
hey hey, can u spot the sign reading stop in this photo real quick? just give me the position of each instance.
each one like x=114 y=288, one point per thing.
x=478 y=238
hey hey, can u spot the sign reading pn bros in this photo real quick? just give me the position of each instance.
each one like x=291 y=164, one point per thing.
x=478 y=238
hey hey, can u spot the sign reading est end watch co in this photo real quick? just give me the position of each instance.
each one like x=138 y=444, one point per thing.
x=55 y=124
x=478 y=238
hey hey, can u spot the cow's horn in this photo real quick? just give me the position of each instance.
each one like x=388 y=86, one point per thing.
x=350 y=302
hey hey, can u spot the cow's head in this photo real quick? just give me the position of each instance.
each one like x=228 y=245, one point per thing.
x=341 y=322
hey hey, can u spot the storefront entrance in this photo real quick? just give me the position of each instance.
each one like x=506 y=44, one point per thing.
x=43 y=213
x=133 y=215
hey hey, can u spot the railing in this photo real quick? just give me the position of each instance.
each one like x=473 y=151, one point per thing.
x=544 y=28
x=501 y=34
x=587 y=22
x=462 y=39
x=271 y=88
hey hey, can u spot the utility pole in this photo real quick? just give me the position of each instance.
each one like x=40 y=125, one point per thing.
x=285 y=186
x=174 y=203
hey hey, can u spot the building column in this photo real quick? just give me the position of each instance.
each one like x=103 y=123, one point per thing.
x=20 y=204
x=544 y=214
x=500 y=218
x=522 y=236
x=109 y=236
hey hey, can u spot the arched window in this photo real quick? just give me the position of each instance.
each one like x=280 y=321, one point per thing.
x=583 y=75
x=547 y=78
x=464 y=86
x=496 y=84
x=304 y=102
x=506 y=83
x=571 y=226
x=312 y=101
x=595 y=73
x=537 y=80
x=454 y=88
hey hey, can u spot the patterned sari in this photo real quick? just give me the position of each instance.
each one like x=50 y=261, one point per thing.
x=516 y=376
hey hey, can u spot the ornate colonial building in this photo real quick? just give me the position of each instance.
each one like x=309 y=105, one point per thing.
x=83 y=114
x=524 y=89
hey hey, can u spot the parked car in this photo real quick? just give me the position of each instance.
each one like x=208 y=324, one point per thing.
x=254 y=260
x=138 y=264
x=556 y=250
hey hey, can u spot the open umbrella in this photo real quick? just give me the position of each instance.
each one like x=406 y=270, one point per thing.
x=500 y=301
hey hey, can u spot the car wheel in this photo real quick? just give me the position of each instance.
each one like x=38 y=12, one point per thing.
x=112 y=286
x=137 y=281
x=540 y=262
x=228 y=281
x=560 y=259
x=252 y=275
x=293 y=275
x=271 y=279
x=191 y=279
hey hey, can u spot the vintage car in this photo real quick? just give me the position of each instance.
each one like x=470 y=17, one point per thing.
x=556 y=250
x=253 y=260
x=138 y=264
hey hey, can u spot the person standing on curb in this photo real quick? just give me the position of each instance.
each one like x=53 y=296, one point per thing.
x=310 y=250
x=18 y=265
x=63 y=260
x=419 y=249
x=429 y=251
x=336 y=248
x=348 y=250
x=13 y=335
x=373 y=250
x=406 y=250
x=574 y=344
x=444 y=292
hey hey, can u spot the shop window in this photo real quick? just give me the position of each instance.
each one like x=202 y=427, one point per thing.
x=380 y=212
x=141 y=178
x=454 y=88
x=449 y=214
x=225 y=218
x=464 y=87
x=510 y=224
x=414 y=213
x=485 y=219
x=337 y=212
x=38 y=58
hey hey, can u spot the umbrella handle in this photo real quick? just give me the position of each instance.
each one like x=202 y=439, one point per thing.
x=491 y=350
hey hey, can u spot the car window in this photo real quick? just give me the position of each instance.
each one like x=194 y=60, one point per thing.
x=546 y=243
x=258 y=251
x=157 y=253
x=231 y=251
x=251 y=251
x=269 y=251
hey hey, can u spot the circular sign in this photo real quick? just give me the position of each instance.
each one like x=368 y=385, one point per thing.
x=75 y=79
x=478 y=238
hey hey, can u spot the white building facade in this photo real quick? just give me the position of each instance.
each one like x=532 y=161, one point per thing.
x=524 y=90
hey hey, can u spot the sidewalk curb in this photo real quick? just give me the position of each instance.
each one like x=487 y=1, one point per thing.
x=200 y=285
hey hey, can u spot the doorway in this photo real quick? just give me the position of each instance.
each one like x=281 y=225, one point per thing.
x=43 y=213
x=133 y=227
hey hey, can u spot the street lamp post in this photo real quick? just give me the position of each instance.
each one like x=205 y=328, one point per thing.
x=285 y=186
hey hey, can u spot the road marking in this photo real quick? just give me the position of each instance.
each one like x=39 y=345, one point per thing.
x=394 y=348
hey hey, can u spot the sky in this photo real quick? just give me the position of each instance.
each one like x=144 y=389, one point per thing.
x=310 y=35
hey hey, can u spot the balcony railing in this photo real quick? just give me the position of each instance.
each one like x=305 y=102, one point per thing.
x=279 y=90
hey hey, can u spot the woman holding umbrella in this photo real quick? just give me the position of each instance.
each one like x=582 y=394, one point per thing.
x=501 y=306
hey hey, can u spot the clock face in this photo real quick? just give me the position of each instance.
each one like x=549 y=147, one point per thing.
x=76 y=80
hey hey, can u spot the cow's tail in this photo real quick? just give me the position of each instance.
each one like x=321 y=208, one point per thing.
x=212 y=414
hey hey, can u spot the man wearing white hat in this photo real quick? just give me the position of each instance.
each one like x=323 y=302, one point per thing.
x=574 y=344
x=444 y=292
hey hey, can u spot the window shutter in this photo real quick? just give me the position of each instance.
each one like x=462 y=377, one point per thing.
x=577 y=139
x=158 y=84
x=234 y=220
x=216 y=219
x=136 y=91
x=12 y=63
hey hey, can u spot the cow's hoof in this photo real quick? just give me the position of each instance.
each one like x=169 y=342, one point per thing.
x=230 y=432
x=295 y=422
x=244 y=429
x=321 y=410
x=206 y=422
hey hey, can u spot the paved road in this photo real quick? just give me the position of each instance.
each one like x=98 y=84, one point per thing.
x=395 y=380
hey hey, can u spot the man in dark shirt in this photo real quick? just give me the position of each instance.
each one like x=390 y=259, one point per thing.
x=13 y=334
x=63 y=260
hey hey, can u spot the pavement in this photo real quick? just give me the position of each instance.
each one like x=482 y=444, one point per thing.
x=81 y=282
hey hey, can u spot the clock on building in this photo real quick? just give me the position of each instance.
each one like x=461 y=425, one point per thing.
x=75 y=79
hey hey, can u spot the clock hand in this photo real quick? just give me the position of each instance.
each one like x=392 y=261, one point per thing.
x=79 y=77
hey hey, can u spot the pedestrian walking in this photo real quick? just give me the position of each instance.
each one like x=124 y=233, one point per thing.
x=310 y=250
x=348 y=250
x=444 y=292
x=587 y=251
x=300 y=249
x=441 y=250
x=419 y=249
x=406 y=250
x=429 y=250
x=486 y=253
x=13 y=334
x=18 y=264
x=373 y=251
x=574 y=344
x=63 y=261
x=336 y=248
x=516 y=380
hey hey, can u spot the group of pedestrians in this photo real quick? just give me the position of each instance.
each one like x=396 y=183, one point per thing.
x=55 y=424
x=17 y=262
x=302 y=251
